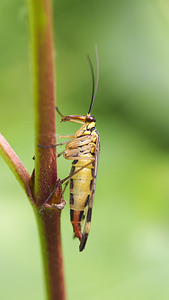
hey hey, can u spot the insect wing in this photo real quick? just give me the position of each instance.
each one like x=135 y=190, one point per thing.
x=89 y=212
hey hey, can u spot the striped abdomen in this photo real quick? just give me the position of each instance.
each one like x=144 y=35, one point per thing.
x=80 y=192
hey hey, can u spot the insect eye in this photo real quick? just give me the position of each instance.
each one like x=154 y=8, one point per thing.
x=90 y=118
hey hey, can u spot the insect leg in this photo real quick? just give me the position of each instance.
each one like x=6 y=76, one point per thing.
x=50 y=146
x=64 y=143
x=54 y=145
x=51 y=194
x=59 y=154
x=61 y=182
x=65 y=137
x=66 y=183
x=65 y=186
x=72 y=174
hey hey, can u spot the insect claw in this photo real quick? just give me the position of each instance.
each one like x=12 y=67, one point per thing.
x=42 y=208
x=60 y=205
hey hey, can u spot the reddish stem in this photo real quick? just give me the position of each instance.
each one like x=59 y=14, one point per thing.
x=15 y=165
x=44 y=177
x=49 y=230
x=45 y=134
x=44 y=97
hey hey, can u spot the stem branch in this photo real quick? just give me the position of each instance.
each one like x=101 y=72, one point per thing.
x=15 y=165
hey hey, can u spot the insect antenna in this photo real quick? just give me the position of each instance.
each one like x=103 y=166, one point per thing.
x=93 y=82
x=57 y=109
x=94 y=89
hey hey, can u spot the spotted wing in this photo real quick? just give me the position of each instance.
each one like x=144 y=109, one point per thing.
x=89 y=212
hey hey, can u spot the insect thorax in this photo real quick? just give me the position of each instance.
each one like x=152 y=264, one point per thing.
x=87 y=128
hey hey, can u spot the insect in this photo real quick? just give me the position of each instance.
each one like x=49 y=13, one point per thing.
x=83 y=149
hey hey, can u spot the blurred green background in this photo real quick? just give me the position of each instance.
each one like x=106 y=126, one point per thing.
x=127 y=254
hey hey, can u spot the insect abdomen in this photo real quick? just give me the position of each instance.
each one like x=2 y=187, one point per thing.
x=80 y=192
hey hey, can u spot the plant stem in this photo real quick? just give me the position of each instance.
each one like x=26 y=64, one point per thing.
x=44 y=96
x=50 y=236
x=15 y=165
x=40 y=15
x=44 y=177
